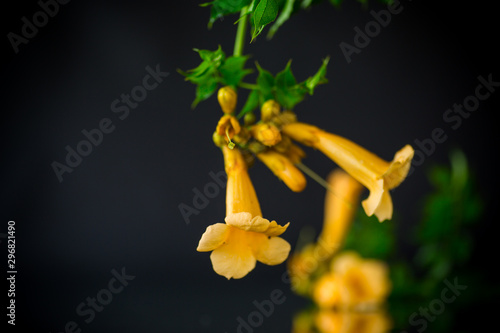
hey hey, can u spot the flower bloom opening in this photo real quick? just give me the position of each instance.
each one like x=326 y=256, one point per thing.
x=376 y=174
x=246 y=237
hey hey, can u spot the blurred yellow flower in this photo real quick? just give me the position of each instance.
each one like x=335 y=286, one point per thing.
x=266 y=133
x=378 y=175
x=331 y=321
x=246 y=237
x=353 y=282
x=341 y=200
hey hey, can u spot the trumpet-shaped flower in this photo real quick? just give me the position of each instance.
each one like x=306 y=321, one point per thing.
x=340 y=201
x=378 y=175
x=340 y=206
x=353 y=282
x=246 y=237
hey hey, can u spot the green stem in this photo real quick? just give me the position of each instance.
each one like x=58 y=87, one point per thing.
x=250 y=86
x=241 y=32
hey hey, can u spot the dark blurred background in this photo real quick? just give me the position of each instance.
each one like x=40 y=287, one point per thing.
x=118 y=209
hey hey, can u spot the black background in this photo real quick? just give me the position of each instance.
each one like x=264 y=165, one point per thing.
x=119 y=207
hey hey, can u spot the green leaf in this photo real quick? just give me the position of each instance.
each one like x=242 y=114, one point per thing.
x=222 y=8
x=370 y=238
x=318 y=78
x=336 y=3
x=206 y=75
x=251 y=104
x=266 y=83
x=288 y=92
x=232 y=71
x=265 y=13
x=285 y=14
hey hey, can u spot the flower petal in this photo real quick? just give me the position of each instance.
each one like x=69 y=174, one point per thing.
x=384 y=208
x=399 y=167
x=274 y=251
x=371 y=203
x=245 y=221
x=213 y=237
x=233 y=260
x=274 y=229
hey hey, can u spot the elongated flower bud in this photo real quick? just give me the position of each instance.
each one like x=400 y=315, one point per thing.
x=227 y=98
x=284 y=169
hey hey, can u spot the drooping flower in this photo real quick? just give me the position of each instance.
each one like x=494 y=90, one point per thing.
x=353 y=282
x=378 y=175
x=284 y=169
x=246 y=237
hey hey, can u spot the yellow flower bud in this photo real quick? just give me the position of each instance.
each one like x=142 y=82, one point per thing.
x=269 y=109
x=267 y=134
x=219 y=140
x=286 y=117
x=249 y=118
x=227 y=98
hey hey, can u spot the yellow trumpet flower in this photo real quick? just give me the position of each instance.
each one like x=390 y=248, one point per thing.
x=340 y=206
x=353 y=282
x=246 y=237
x=284 y=169
x=340 y=201
x=377 y=175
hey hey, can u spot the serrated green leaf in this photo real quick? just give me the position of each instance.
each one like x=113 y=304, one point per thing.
x=265 y=13
x=204 y=90
x=251 y=104
x=266 y=83
x=288 y=92
x=232 y=71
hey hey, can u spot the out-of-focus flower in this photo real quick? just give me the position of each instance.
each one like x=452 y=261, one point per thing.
x=340 y=206
x=266 y=133
x=340 y=201
x=335 y=321
x=378 y=175
x=330 y=321
x=353 y=282
x=246 y=237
